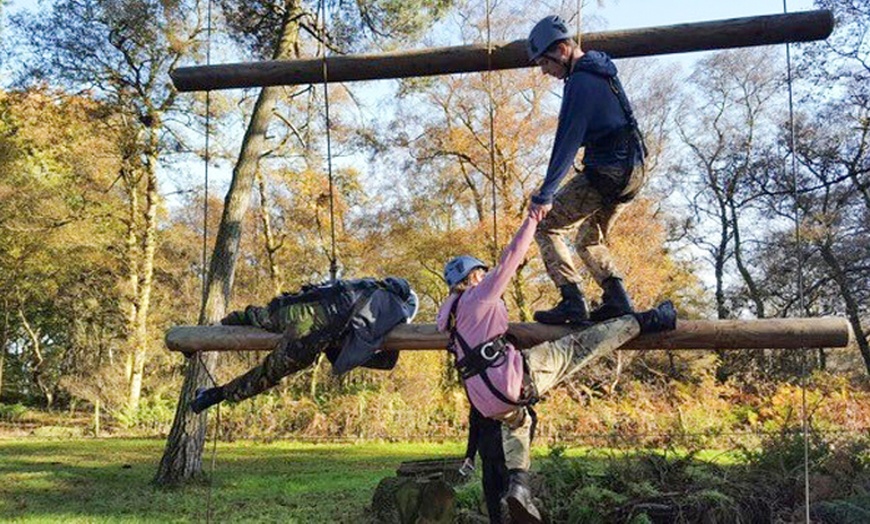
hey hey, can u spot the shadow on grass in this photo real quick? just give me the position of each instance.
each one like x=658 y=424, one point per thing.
x=109 y=481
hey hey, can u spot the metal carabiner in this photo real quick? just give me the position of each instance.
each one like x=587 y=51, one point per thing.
x=490 y=346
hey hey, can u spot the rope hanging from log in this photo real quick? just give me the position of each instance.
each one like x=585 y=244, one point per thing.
x=333 y=261
x=491 y=136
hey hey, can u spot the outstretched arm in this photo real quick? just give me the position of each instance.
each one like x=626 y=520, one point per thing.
x=496 y=281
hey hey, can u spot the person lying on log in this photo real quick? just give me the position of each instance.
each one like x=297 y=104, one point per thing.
x=484 y=439
x=347 y=320
x=503 y=382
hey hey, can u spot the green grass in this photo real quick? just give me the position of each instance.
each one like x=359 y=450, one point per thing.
x=108 y=480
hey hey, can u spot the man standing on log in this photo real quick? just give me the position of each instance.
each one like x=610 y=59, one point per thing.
x=596 y=115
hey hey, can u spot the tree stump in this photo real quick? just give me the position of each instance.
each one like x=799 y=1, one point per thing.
x=420 y=493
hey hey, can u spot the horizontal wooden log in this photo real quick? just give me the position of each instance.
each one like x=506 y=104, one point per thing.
x=790 y=333
x=650 y=41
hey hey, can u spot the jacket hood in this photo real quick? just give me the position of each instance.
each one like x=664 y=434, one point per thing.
x=443 y=317
x=597 y=63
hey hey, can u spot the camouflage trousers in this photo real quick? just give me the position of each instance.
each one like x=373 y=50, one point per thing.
x=589 y=210
x=552 y=362
x=307 y=333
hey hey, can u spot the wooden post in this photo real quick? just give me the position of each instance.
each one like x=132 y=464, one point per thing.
x=650 y=41
x=789 y=333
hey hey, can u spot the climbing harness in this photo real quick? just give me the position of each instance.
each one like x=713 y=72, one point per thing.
x=478 y=360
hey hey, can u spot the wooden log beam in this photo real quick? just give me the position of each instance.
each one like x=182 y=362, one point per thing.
x=790 y=333
x=680 y=38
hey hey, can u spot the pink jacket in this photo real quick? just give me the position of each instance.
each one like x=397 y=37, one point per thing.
x=482 y=315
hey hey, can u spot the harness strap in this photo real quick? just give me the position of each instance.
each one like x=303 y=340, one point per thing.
x=616 y=87
x=476 y=362
x=534 y=425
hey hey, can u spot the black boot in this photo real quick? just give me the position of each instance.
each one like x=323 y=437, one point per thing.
x=662 y=318
x=616 y=301
x=206 y=398
x=571 y=310
x=519 y=499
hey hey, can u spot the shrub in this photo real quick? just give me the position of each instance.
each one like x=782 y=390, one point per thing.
x=12 y=412
x=64 y=432
x=154 y=415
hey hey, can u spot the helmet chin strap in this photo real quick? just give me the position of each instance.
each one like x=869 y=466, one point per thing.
x=566 y=66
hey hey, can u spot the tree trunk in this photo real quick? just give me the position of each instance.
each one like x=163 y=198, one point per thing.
x=38 y=360
x=2 y=365
x=519 y=293
x=315 y=374
x=182 y=458
x=132 y=245
x=720 y=255
x=149 y=246
x=754 y=292
x=97 y=418
x=4 y=339
x=852 y=308
x=271 y=245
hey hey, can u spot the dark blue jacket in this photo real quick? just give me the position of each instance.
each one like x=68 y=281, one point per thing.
x=591 y=115
x=376 y=312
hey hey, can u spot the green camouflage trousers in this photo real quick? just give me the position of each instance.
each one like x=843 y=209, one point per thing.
x=307 y=333
x=580 y=206
x=552 y=362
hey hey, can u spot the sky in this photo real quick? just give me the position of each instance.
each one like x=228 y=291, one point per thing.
x=614 y=15
x=625 y=14
x=379 y=96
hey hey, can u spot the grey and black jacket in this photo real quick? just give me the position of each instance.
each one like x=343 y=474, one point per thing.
x=355 y=314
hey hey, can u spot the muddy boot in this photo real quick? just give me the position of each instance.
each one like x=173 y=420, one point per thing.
x=571 y=310
x=519 y=499
x=662 y=318
x=616 y=301
x=206 y=398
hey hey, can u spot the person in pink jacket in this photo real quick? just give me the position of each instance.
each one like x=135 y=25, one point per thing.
x=502 y=381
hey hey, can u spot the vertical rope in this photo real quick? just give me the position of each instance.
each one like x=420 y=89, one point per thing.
x=207 y=158
x=333 y=264
x=800 y=281
x=491 y=135
x=208 y=506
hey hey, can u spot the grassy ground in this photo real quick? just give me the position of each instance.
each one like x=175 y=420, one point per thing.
x=108 y=480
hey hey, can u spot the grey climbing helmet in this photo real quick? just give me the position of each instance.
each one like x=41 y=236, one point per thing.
x=460 y=267
x=548 y=31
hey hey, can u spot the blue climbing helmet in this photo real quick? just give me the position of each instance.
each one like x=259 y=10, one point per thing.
x=547 y=32
x=460 y=267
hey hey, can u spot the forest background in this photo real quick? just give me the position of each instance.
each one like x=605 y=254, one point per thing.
x=105 y=221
